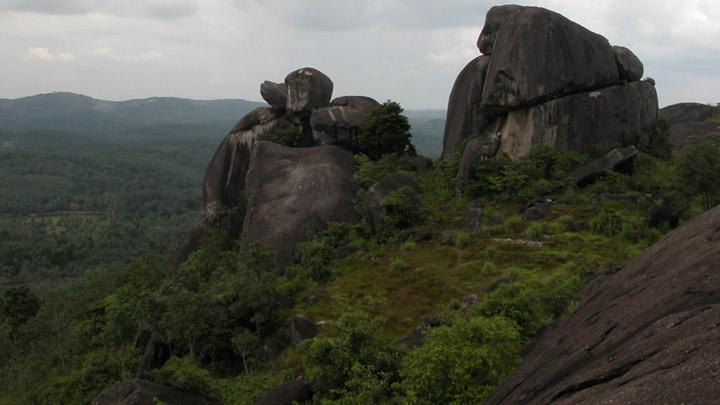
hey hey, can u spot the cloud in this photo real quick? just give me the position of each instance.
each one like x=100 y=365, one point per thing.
x=109 y=53
x=45 y=55
x=160 y=9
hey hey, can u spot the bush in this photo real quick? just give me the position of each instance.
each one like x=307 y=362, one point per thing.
x=355 y=355
x=386 y=131
x=183 y=373
x=398 y=265
x=461 y=363
x=290 y=136
x=400 y=208
x=698 y=166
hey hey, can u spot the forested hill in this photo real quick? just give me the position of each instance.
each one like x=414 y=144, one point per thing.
x=78 y=113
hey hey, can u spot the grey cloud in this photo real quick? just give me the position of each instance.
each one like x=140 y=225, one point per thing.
x=339 y=15
x=160 y=9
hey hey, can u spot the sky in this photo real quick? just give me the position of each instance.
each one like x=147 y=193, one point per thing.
x=408 y=51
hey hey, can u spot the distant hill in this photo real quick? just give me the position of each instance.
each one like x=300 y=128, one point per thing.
x=77 y=113
x=62 y=121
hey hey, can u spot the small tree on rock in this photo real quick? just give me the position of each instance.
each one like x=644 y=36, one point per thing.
x=386 y=131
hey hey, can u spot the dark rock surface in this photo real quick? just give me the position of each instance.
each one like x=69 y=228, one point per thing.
x=494 y=19
x=287 y=394
x=629 y=66
x=688 y=123
x=464 y=117
x=275 y=94
x=649 y=333
x=582 y=122
x=380 y=190
x=341 y=122
x=472 y=219
x=621 y=160
x=539 y=54
x=302 y=328
x=292 y=193
x=308 y=89
x=476 y=150
x=141 y=392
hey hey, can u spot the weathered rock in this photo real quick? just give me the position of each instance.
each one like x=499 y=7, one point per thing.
x=276 y=94
x=688 y=123
x=292 y=193
x=341 y=122
x=476 y=150
x=308 y=89
x=141 y=392
x=464 y=117
x=649 y=333
x=539 y=55
x=538 y=209
x=381 y=189
x=224 y=182
x=295 y=391
x=302 y=328
x=583 y=122
x=621 y=160
x=472 y=219
x=494 y=19
x=630 y=67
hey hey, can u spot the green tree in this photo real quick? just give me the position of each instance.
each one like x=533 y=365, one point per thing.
x=461 y=363
x=18 y=306
x=698 y=167
x=386 y=131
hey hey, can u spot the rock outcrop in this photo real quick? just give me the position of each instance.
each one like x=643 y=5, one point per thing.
x=544 y=80
x=141 y=392
x=649 y=333
x=377 y=193
x=301 y=103
x=620 y=160
x=691 y=122
x=341 y=122
x=289 y=393
x=292 y=193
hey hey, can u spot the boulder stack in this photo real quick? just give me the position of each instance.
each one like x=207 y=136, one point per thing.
x=544 y=80
x=312 y=185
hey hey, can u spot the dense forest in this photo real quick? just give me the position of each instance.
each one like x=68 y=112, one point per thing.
x=89 y=224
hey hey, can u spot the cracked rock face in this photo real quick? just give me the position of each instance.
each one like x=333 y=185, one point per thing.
x=649 y=333
x=547 y=81
x=292 y=193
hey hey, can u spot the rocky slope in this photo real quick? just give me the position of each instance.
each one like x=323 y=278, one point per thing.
x=649 y=333
x=544 y=80
x=691 y=122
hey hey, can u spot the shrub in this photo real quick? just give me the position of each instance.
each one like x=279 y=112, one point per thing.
x=461 y=363
x=462 y=239
x=183 y=373
x=488 y=269
x=356 y=352
x=398 y=265
x=386 y=131
x=400 y=208
x=290 y=136
x=698 y=166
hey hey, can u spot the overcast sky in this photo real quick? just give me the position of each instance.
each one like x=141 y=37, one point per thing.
x=410 y=51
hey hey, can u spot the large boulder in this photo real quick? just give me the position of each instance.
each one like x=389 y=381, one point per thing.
x=141 y=392
x=620 y=160
x=689 y=123
x=224 y=182
x=649 y=333
x=341 y=122
x=464 y=117
x=307 y=89
x=289 y=393
x=292 y=193
x=276 y=94
x=377 y=193
x=476 y=150
x=583 y=122
x=629 y=66
x=302 y=328
x=494 y=19
x=539 y=55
